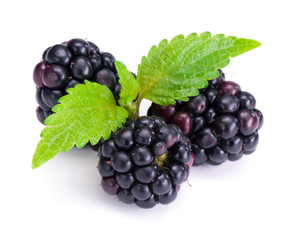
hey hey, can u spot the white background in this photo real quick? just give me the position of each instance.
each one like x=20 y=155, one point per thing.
x=63 y=198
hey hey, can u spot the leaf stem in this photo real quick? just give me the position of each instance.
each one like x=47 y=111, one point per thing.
x=133 y=109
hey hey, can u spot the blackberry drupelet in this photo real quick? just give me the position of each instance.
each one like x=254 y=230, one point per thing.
x=221 y=122
x=145 y=162
x=67 y=64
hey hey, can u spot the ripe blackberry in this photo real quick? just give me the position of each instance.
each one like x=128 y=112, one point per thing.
x=221 y=122
x=67 y=64
x=145 y=162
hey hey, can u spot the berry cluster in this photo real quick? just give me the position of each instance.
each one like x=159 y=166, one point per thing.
x=145 y=162
x=67 y=64
x=221 y=122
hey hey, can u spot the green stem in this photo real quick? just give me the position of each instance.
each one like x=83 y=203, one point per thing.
x=133 y=109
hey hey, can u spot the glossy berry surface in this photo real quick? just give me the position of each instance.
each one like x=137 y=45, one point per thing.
x=226 y=126
x=58 y=54
x=232 y=145
x=40 y=101
x=110 y=185
x=198 y=104
x=42 y=114
x=105 y=167
x=105 y=77
x=166 y=112
x=38 y=73
x=55 y=76
x=50 y=97
x=227 y=103
x=206 y=138
x=247 y=100
x=248 y=121
x=228 y=87
x=183 y=120
x=81 y=68
x=222 y=122
x=78 y=47
x=147 y=159
x=70 y=63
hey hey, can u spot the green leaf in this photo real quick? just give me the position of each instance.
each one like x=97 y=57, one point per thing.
x=88 y=113
x=129 y=85
x=175 y=70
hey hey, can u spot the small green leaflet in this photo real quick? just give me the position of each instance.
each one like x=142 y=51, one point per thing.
x=129 y=85
x=88 y=113
x=175 y=70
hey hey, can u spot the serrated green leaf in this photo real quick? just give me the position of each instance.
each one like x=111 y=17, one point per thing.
x=175 y=70
x=88 y=113
x=129 y=85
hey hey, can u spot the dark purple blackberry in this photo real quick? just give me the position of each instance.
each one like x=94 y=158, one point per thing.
x=124 y=139
x=55 y=76
x=81 y=68
x=162 y=184
x=199 y=155
x=167 y=134
x=110 y=185
x=227 y=103
x=248 y=121
x=159 y=148
x=250 y=142
x=78 y=47
x=72 y=83
x=58 y=54
x=125 y=180
x=247 y=100
x=141 y=155
x=232 y=145
x=260 y=117
x=37 y=74
x=222 y=123
x=226 y=126
x=165 y=112
x=40 y=101
x=145 y=121
x=206 y=138
x=197 y=105
x=50 y=97
x=105 y=77
x=235 y=156
x=177 y=173
x=147 y=161
x=121 y=162
x=40 y=114
x=216 y=81
x=211 y=94
x=200 y=121
x=146 y=174
x=210 y=116
x=70 y=63
x=108 y=148
x=105 y=167
x=168 y=197
x=183 y=120
x=216 y=155
x=125 y=195
x=228 y=87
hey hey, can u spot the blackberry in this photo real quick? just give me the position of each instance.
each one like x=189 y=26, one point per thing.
x=145 y=162
x=67 y=64
x=221 y=122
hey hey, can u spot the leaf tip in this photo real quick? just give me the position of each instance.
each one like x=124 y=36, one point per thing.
x=257 y=44
x=87 y=82
x=34 y=165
